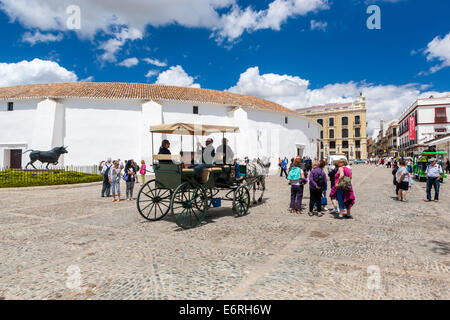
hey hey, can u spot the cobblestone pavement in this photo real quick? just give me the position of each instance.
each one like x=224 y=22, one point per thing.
x=68 y=243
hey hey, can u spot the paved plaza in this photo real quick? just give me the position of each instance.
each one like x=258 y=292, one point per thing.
x=68 y=243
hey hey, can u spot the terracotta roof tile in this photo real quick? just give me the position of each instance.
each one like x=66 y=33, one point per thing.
x=137 y=91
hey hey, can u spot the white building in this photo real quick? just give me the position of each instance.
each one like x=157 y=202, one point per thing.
x=431 y=121
x=100 y=120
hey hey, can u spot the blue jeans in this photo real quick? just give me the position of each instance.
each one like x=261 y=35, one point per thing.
x=115 y=186
x=340 y=198
x=430 y=183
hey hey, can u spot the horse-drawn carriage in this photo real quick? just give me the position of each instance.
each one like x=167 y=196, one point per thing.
x=186 y=192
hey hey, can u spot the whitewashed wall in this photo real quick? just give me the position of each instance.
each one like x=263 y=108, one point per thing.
x=95 y=129
x=16 y=128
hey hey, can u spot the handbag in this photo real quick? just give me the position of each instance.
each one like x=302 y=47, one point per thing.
x=345 y=183
x=324 y=201
x=125 y=176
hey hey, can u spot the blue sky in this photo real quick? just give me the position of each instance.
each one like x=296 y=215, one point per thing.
x=265 y=48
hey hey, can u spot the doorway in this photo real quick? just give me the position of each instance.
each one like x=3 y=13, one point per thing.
x=15 y=159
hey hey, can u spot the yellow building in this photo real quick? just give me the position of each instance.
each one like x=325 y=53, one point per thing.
x=344 y=128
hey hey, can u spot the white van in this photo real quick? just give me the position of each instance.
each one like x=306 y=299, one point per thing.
x=333 y=158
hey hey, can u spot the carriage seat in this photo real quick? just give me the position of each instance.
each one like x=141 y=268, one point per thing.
x=216 y=169
x=186 y=170
x=170 y=157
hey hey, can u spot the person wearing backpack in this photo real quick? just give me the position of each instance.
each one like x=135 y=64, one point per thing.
x=317 y=181
x=296 y=179
x=105 y=168
x=344 y=190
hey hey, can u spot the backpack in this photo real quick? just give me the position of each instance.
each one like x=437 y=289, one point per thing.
x=294 y=174
x=106 y=174
x=320 y=181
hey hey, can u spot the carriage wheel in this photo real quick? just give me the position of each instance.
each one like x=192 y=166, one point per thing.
x=153 y=200
x=241 y=201
x=189 y=204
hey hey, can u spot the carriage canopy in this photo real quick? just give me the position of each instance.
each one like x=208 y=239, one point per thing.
x=192 y=129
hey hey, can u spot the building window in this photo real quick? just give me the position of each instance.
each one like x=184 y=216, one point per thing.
x=357 y=120
x=357 y=132
x=344 y=133
x=440 y=132
x=345 y=121
x=331 y=122
x=320 y=121
x=345 y=144
x=286 y=120
x=358 y=143
x=332 y=144
x=321 y=134
x=331 y=135
x=321 y=145
x=440 y=115
x=394 y=131
x=10 y=106
x=195 y=110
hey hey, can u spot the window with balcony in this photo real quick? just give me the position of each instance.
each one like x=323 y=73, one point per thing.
x=345 y=121
x=357 y=132
x=332 y=144
x=358 y=143
x=331 y=134
x=440 y=115
x=344 y=133
x=357 y=120
x=331 y=122
x=345 y=144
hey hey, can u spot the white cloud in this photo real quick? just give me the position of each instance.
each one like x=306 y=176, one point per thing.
x=113 y=46
x=439 y=49
x=130 y=62
x=155 y=62
x=41 y=37
x=383 y=101
x=224 y=17
x=88 y=79
x=99 y=15
x=151 y=73
x=319 y=25
x=238 y=20
x=176 y=76
x=32 y=72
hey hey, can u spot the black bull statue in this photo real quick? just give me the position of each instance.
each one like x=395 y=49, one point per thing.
x=51 y=157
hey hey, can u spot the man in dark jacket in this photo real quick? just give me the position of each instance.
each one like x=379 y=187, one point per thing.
x=394 y=173
x=317 y=182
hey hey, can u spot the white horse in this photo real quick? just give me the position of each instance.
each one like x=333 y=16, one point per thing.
x=257 y=170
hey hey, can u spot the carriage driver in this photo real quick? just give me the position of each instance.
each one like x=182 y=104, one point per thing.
x=224 y=153
x=207 y=153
